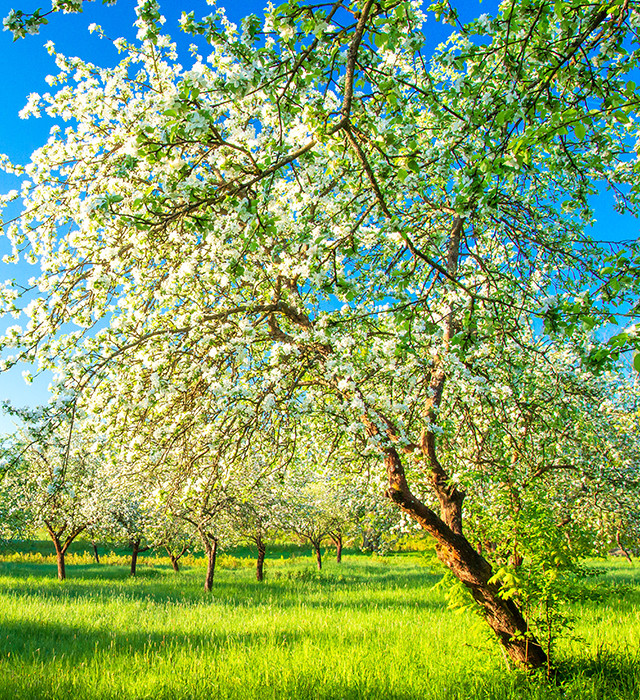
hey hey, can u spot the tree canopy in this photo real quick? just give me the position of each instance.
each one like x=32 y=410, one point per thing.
x=323 y=227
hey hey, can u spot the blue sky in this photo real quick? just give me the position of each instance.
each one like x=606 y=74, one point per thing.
x=24 y=64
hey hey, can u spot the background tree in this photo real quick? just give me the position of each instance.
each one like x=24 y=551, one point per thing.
x=55 y=483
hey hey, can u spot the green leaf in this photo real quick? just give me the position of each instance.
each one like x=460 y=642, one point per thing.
x=580 y=130
x=636 y=362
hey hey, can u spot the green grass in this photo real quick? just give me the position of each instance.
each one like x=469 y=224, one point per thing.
x=370 y=628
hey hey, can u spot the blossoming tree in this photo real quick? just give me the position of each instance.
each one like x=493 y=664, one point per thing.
x=316 y=218
x=52 y=481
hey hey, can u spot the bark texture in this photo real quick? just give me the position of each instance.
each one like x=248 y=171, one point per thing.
x=468 y=566
x=453 y=549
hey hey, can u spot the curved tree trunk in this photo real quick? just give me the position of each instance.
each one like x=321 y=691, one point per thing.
x=95 y=552
x=262 y=550
x=452 y=547
x=471 y=568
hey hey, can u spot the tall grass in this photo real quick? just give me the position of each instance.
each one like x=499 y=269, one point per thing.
x=370 y=628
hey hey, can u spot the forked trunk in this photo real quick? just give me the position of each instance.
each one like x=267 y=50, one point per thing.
x=468 y=566
x=262 y=550
x=95 y=552
x=60 y=546
x=452 y=547
x=175 y=558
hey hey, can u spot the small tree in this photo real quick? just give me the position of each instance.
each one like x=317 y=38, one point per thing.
x=256 y=512
x=54 y=482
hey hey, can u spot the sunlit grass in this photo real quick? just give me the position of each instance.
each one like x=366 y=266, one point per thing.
x=369 y=628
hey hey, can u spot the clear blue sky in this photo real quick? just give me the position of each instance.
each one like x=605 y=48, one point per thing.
x=25 y=63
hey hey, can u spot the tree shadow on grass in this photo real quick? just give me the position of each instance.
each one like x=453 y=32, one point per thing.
x=26 y=648
x=233 y=588
x=607 y=668
x=65 y=650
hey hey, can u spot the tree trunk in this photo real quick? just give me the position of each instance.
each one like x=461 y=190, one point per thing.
x=62 y=574
x=135 y=544
x=337 y=540
x=452 y=547
x=175 y=557
x=622 y=547
x=316 y=549
x=262 y=550
x=95 y=552
x=137 y=549
x=211 y=549
x=473 y=570
x=61 y=547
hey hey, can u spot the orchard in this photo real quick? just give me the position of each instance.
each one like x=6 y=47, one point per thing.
x=322 y=275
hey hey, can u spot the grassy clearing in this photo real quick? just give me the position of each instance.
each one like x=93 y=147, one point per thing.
x=370 y=628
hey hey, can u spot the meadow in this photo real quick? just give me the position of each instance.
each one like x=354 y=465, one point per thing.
x=371 y=627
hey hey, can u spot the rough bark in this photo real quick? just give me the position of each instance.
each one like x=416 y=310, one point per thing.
x=262 y=550
x=452 y=547
x=472 y=569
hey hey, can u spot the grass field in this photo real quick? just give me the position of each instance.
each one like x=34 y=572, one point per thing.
x=368 y=628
